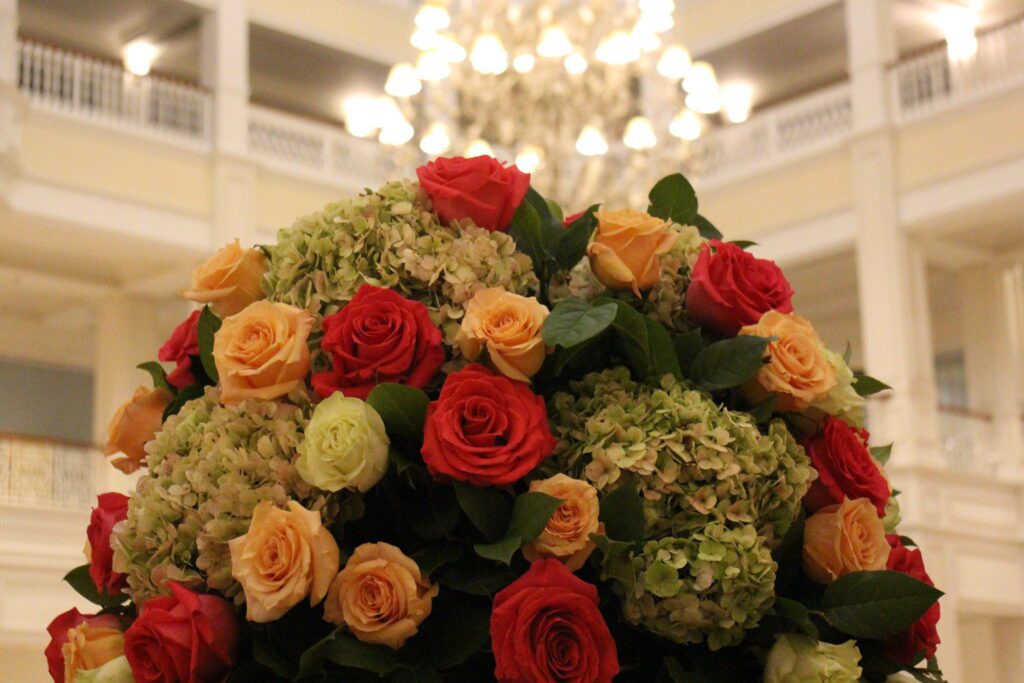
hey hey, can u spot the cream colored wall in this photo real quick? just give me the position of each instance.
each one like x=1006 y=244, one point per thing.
x=706 y=23
x=280 y=200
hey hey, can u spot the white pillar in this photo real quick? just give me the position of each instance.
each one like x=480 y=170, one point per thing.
x=12 y=105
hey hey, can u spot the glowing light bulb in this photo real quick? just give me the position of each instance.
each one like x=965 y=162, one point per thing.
x=360 y=115
x=958 y=27
x=422 y=39
x=432 y=17
x=402 y=81
x=701 y=77
x=452 y=52
x=431 y=66
x=524 y=62
x=655 y=23
x=647 y=42
x=618 y=48
x=397 y=133
x=686 y=125
x=488 y=55
x=591 y=142
x=639 y=134
x=554 y=42
x=705 y=101
x=138 y=57
x=575 y=63
x=528 y=159
x=477 y=148
x=435 y=141
x=675 y=62
x=737 y=99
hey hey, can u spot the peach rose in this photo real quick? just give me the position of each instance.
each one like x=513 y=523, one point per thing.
x=229 y=281
x=261 y=352
x=380 y=595
x=844 y=538
x=134 y=425
x=567 y=535
x=797 y=370
x=90 y=646
x=626 y=246
x=285 y=556
x=508 y=326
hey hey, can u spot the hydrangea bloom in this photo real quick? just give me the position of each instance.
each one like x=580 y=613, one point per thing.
x=666 y=302
x=389 y=238
x=208 y=469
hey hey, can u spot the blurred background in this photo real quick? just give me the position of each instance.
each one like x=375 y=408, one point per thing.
x=874 y=148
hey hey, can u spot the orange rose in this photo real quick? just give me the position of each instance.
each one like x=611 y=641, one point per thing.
x=844 y=538
x=509 y=327
x=797 y=370
x=134 y=425
x=380 y=595
x=285 y=556
x=229 y=281
x=567 y=535
x=89 y=647
x=626 y=246
x=261 y=352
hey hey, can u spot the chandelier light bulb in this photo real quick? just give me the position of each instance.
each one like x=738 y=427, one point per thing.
x=700 y=79
x=639 y=134
x=361 y=115
x=397 y=133
x=686 y=125
x=554 y=42
x=657 y=6
x=737 y=99
x=958 y=27
x=432 y=66
x=528 y=159
x=648 y=42
x=545 y=15
x=705 y=101
x=675 y=62
x=618 y=48
x=435 y=141
x=575 y=64
x=402 y=81
x=524 y=62
x=591 y=142
x=587 y=15
x=450 y=50
x=138 y=57
x=422 y=39
x=433 y=16
x=477 y=148
x=655 y=23
x=488 y=55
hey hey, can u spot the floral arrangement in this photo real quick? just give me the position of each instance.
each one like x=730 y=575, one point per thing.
x=438 y=432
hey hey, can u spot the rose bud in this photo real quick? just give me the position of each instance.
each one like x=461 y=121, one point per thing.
x=229 y=281
x=625 y=249
x=134 y=425
x=181 y=348
x=111 y=508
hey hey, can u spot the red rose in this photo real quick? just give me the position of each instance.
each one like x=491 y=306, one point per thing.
x=112 y=508
x=181 y=348
x=922 y=639
x=845 y=468
x=545 y=626
x=481 y=188
x=379 y=336
x=485 y=429
x=730 y=288
x=185 y=637
x=572 y=218
x=58 y=630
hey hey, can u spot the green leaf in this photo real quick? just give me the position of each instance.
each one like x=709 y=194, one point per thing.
x=573 y=244
x=159 y=375
x=485 y=579
x=729 y=363
x=526 y=232
x=795 y=613
x=454 y=632
x=688 y=346
x=866 y=385
x=881 y=453
x=403 y=409
x=555 y=210
x=79 y=579
x=563 y=357
x=499 y=551
x=187 y=394
x=631 y=329
x=206 y=330
x=530 y=515
x=743 y=244
x=344 y=650
x=762 y=412
x=876 y=604
x=908 y=541
x=847 y=353
x=622 y=512
x=662 y=352
x=615 y=560
x=674 y=199
x=487 y=508
x=429 y=509
x=705 y=228
x=432 y=558
x=573 y=321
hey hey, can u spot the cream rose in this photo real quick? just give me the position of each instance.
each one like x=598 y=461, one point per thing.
x=229 y=281
x=566 y=537
x=509 y=327
x=380 y=595
x=88 y=647
x=134 y=425
x=798 y=659
x=285 y=556
x=261 y=352
x=345 y=446
x=844 y=538
x=625 y=249
x=797 y=370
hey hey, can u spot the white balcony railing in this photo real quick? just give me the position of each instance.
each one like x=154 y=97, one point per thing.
x=969 y=440
x=931 y=82
x=41 y=473
x=64 y=82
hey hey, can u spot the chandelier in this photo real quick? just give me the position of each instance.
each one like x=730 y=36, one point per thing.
x=595 y=94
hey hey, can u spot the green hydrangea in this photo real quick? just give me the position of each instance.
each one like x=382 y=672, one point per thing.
x=713 y=584
x=666 y=301
x=389 y=238
x=207 y=470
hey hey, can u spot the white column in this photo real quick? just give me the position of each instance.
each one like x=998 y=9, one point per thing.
x=225 y=72
x=12 y=106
